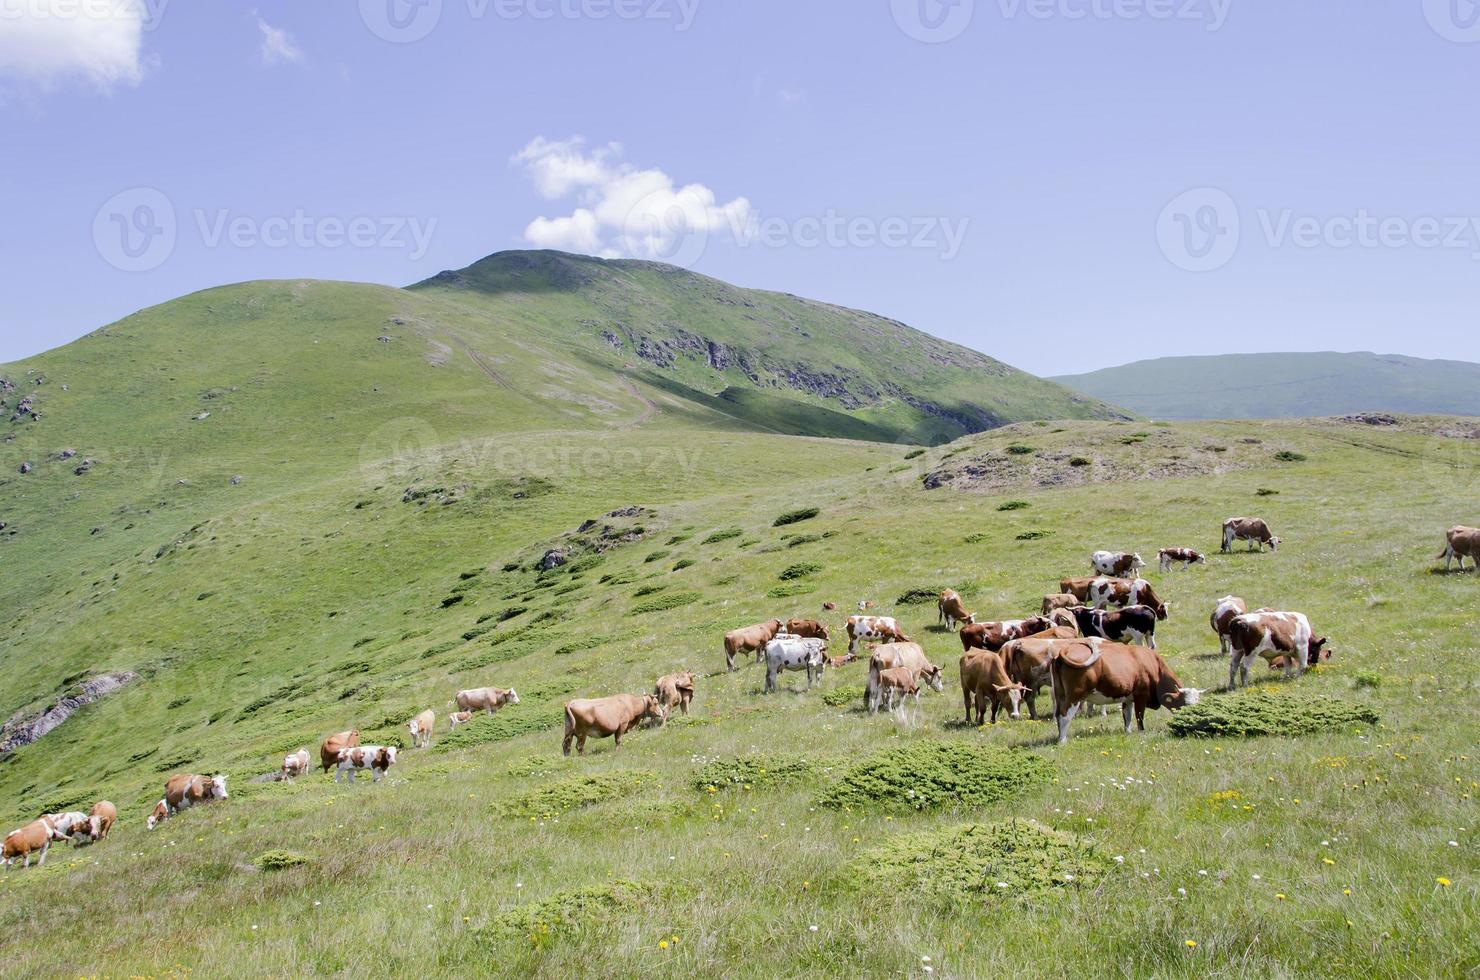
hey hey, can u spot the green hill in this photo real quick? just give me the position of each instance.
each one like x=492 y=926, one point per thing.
x=1290 y=385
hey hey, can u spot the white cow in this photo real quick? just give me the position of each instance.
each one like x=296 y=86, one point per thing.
x=295 y=764
x=789 y=652
x=421 y=729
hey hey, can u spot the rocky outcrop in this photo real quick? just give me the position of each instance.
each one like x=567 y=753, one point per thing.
x=23 y=729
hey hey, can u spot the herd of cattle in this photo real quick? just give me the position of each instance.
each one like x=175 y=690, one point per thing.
x=1092 y=643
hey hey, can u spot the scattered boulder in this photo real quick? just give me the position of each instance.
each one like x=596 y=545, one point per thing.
x=1369 y=418
x=236 y=480
x=64 y=454
x=633 y=511
x=84 y=466
x=26 y=467
x=22 y=729
x=383 y=339
x=201 y=417
x=553 y=558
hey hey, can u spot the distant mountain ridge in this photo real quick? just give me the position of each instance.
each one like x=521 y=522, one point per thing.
x=1285 y=385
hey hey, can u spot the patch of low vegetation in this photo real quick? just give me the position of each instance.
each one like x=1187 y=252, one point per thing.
x=1078 y=461
x=652 y=589
x=753 y=772
x=934 y=775
x=1266 y=492
x=801 y=569
x=508 y=723
x=682 y=563
x=1035 y=535
x=658 y=555
x=914 y=454
x=1290 y=456
x=917 y=597
x=801 y=539
x=1367 y=678
x=978 y=538
x=576 y=792
x=841 y=697
x=670 y=601
x=1255 y=713
x=991 y=862
x=277 y=860
x=790 y=589
x=795 y=516
x=1019 y=449
x=438 y=649
x=563 y=914
x=1014 y=505
x=724 y=534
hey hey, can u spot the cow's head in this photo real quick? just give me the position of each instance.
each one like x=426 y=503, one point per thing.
x=218 y=787
x=933 y=676
x=1182 y=697
x=1014 y=694
x=161 y=810
x=1274 y=544
x=510 y=697
x=1137 y=562
x=386 y=757
x=1319 y=653
x=970 y=620
x=653 y=708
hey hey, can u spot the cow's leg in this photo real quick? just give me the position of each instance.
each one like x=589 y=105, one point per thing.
x=1233 y=671
x=581 y=744
x=966 y=698
x=1063 y=720
x=1140 y=716
x=1032 y=698
x=1125 y=714
x=565 y=743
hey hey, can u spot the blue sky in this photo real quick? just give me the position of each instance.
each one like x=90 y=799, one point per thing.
x=1064 y=184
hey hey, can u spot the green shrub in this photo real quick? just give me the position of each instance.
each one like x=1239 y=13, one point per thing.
x=1367 y=678
x=476 y=632
x=1080 y=461
x=794 y=516
x=1216 y=449
x=682 y=563
x=1033 y=535
x=756 y=772
x=802 y=539
x=563 y=914
x=977 y=538
x=801 y=569
x=649 y=589
x=278 y=860
x=931 y=775
x=1254 y=713
x=439 y=649
x=1132 y=440
x=510 y=722
x=452 y=600
x=790 y=589
x=841 y=697
x=975 y=861
x=1014 y=505
x=1266 y=492
x=1289 y=456
x=576 y=792
x=1018 y=449
x=670 y=601
x=658 y=555
x=916 y=597
x=678 y=539
x=723 y=535
x=914 y=454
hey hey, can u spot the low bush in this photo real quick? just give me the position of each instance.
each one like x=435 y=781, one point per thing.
x=1018 y=449
x=790 y=589
x=670 y=601
x=977 y=538
x=1367 y=678
x=916 y=597
x=1289 y=456
x=1014 y=505
x=802 y=539
x=563 y=914
x=932 y=775
x=801 y=569
x=914 y=454
x=841 y=697
x=277 y=860
x=1266 y=492
x=794 y=516
x=682 y=563
x=1254 y=713
x=1080 y=461
x=755 y=772
x=658 y=555
x=1033 y=535
x=575 y=792
x=723 y=535
x=649 y=589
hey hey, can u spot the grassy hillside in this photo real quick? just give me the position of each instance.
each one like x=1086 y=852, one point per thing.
x=382 y=551
x=1285 y=385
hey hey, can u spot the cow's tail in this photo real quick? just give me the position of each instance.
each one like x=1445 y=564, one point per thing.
x=570 y=720
x=1448 y=550
x=871 y=686
x=1053 y=686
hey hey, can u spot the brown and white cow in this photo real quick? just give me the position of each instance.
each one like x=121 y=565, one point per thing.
x=1026 y=661
x=1118 y=564
x=185 y=790
x=1461 y=542
x=1228 y=608
x=1250 y=529
x=750 y=639
x=992 y=635
x=421 y=729
x=809 y=628
x=295 y=764
x=1099 y=672
x=675 y=691
x=35 y=837
x=907 y=654
x=1059 y=600
x=609 y=717
x=488 y=699
x=100 y=820
x=377 y=758
x=456 y=718
x=952 y=610
x=161 y=811
x=877 y=628
x=983 y=679
x=330 y=747
x=1063 y=617
x=1269 y=635
x=896 y=684
x=1186 y=557
x=1102 y=591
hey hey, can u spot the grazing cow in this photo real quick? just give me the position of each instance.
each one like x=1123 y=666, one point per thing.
x=612 y=717
x=788 y=652
x=809 y=628
x=1250 y=529
x=1059 y=600
x=488 y=699
x=952 y=610
x=1324 y=656
x=330 y=747
x=1026 y=661
x=984 y=678
x=750 y=639
x=896 y=684
x=1461 y=542
x=991 y=636
x=1120 y=564
x=161 y=811
x=1101 y=591
x=879 y=628
x=829 y=606
x=1063 y=617
x=675 y=691
x=458 y=718
x=907 y=654
x=1185 y=557
x=295 y=764
x=1134 y=624
x=1269 y=635
x=67 y=824
x=34 y=837
x=421 y=729
x=185 y=790
x=100 y=820
x=1228 y=607
x=376 y=758
x=1099 y=672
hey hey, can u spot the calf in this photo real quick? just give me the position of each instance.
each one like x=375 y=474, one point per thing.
x=1059 y=600
x=1270 y=635
x=878 y=628
x=675 y=691
x=34 y=837
x=1224 y=613
x=984 y=678
x=1461 y=542
x=992 y=636
x=610 y=717
x=488 y=699
x=1185 y=557
x=377 y=758
x=1136 y=624
x=749 y=639
x=421 y=729
x=952 y=610
x=295 y=764
x=787 y=652
x=896 y=684
x=1120 y=564
x=908 y=655
x=330 y=747
x=1099 y=672
x=458 y=718
x=809 y=628
x=1250 y=529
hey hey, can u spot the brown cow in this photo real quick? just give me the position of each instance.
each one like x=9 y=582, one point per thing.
x=1026 y=661
x=1269 y=635
x=161 y=811
x=909 y=655
x=809 y=628
x=675 y=691
x=1099 y=672
x=100 y=820
x=1228 y=607
x=1250 y=529
x=991 y=636
x=330 y=748
x=896 y=684
x=1063 y=617
x=750 y=639
x=952 y=610
x=984 y=677
x=1461 y=542
x=1059 y=600
x=25 y=841
x=612 y=716
x=421 y=729
x=488 y=699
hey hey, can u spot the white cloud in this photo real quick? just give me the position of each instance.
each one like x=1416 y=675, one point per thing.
x=620 y=210
x=52 y=41
x=278 y=46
